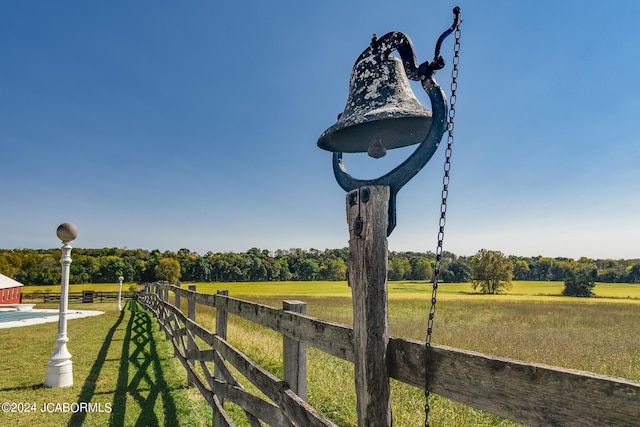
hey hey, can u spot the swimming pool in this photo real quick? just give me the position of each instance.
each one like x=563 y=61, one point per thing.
x=14 y=318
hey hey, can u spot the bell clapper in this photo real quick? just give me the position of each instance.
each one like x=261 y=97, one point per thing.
x=376 y=149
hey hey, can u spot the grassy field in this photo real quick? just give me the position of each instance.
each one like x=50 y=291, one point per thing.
x=532 y=323
x=400 y=289
x=121 y=364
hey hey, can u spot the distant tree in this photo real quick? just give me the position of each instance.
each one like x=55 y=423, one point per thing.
x=633 y=273
x=399 y=268
x=109 y=269
x=49 y=271
x=307 y=269
x=254 y=266
x=284 y=272
x=272 y=267
x=520 y=269
x=9 y=264
x=168 y=269
x=420 y=268
x=580 y=283
x=334 y=269
x=540 y=268
x=78 y=272
x=458 y=271
x=491 y=271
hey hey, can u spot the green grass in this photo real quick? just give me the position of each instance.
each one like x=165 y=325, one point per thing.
x=330 y=288
x=521 y=288
x=532 y=323
x=120 y=359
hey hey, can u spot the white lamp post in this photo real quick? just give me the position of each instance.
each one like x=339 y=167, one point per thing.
x=119 y=306
x=59 y=368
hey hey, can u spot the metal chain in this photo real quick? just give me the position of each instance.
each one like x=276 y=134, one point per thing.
x=443 y=220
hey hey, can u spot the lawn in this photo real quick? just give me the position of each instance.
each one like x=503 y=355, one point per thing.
x=122 y=366
x=532 y=323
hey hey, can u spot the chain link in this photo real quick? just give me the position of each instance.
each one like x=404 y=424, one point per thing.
x=443 y=219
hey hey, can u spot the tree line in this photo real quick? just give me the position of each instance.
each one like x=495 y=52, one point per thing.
x=42 y=266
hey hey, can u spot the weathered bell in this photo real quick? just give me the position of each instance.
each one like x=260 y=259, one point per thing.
x=381 y=113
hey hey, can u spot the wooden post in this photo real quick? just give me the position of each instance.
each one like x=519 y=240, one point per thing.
x=221 y=318
x=191 y=315
x=191 y=311
x=221 y=331
x=177 y=300
x=294 y=355
x=367 y=216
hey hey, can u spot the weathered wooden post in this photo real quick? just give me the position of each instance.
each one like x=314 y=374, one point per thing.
x=221 y=331
x=221 y=317
x=177 y=299
x=367 y=216
x=381 y=113
x=191 y=314
x=294 y=355
x=191 y=310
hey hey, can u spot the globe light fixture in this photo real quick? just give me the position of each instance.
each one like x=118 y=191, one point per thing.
x=60 y=368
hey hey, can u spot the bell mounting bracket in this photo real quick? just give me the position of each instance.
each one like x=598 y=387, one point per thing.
x=399 y=176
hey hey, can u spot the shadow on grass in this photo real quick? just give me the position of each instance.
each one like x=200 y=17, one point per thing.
x=26 y=387
x=148 y=383
x=138 y=352
x=89 y=387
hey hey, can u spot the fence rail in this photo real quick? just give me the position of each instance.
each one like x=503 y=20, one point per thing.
x=97 y=296
x=529 y=393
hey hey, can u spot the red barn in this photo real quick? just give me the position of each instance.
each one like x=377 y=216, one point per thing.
x=10 y=290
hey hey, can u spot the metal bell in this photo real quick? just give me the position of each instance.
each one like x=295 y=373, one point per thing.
x=381 y=113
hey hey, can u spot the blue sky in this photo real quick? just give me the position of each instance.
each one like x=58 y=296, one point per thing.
x=194 y=125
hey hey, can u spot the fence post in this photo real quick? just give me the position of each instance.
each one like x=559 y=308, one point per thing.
x=177 y=299
x=221 y=317
x=191 y=314
x=367 y=216
x=294 y=355
x=221 y=331
x=191 y=311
